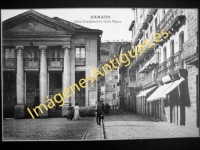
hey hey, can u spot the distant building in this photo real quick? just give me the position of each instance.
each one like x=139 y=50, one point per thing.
x=41 y=57
x=109 y=86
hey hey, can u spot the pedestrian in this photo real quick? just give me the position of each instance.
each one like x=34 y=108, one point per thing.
x=125 y=106
x=99 y=113
x=103 y=108
x=76 y=112
x=107 y=108
x=113 y=104
x=70 y=115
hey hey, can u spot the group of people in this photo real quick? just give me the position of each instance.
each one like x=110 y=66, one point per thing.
x=100 y=109
x=73 y=114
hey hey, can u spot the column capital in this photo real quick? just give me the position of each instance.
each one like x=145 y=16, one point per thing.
x=19 y=47
x=42 y=47
x=66 y=46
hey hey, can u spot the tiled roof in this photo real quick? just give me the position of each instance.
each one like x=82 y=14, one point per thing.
x=74 y=26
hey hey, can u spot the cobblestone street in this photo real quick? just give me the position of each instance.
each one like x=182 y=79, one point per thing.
x=117 y=125
x=125 y=125
x=45 y=129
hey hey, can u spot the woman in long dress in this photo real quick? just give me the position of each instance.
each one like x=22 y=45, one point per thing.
x=76 y=112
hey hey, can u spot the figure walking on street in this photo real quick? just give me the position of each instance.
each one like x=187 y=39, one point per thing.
x=113 y=104
x=99 y=113
x=76 y=112
x=70 y=115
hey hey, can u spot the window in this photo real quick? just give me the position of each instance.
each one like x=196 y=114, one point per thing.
x=115 y=64
x=164 y=54
x=163 y=12
x=55 y=54
x=32 y=54
x=151 y=29
x=10 y=53
x=113 y=86
x=155 y=23
x=172 y=48
x=181 y=41
x=116 y=77
x=147 y=35
x=80 y=56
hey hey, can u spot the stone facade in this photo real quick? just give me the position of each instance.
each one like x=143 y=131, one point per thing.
x=174 y=57
x=49 y=55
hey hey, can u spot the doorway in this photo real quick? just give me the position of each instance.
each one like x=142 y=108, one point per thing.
x=9 y=94
x=32 y=91
x=79 y=95
x=55 y=87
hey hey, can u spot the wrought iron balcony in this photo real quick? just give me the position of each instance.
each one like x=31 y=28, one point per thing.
x=31 y=62
x=161 y=69
x=172 y=64
x=148 y=18
x=9 y=63
x=170 y=18
x=54 y=62
x=149 y=79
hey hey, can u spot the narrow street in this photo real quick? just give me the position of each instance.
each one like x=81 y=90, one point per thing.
x=126 y=125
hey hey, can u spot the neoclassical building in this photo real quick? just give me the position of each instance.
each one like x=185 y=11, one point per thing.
x=41 y=56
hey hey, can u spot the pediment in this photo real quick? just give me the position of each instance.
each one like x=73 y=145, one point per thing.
x=33 y=21
x=32 y=26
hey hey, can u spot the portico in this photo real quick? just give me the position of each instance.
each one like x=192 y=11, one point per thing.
x=51 y=51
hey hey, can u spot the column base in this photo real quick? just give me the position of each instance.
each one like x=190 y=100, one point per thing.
x=20 y=111
x=65 y=110
x=43 y=115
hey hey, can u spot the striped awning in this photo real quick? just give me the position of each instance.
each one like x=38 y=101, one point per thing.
x=145 y=92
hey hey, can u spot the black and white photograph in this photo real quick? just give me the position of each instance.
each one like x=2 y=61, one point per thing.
x=99 y=74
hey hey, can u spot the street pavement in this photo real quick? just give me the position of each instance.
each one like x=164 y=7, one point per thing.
x=117 y=125
x=126 y=125
x=45 y=129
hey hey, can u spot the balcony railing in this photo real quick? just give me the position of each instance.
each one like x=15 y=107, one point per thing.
x=148 y=79
x=171 y=64
x=31 y=62
x=9 y=62
x=161 y=69
x=169 y=19
x=55 y=62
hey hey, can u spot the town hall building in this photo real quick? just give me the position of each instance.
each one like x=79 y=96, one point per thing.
x=41 y=56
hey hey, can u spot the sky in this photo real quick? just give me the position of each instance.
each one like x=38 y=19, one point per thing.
x=115 y=28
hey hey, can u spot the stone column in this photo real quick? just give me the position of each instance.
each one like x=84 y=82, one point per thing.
x=66 y=77
x=43 y=81
x=20 y=107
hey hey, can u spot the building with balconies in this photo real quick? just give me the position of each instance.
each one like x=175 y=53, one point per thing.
x=164 y=79
x=41 y=56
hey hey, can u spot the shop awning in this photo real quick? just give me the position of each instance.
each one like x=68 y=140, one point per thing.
x=173 y=86
x=145 y=92
x=157 y=92
x=151 y=62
